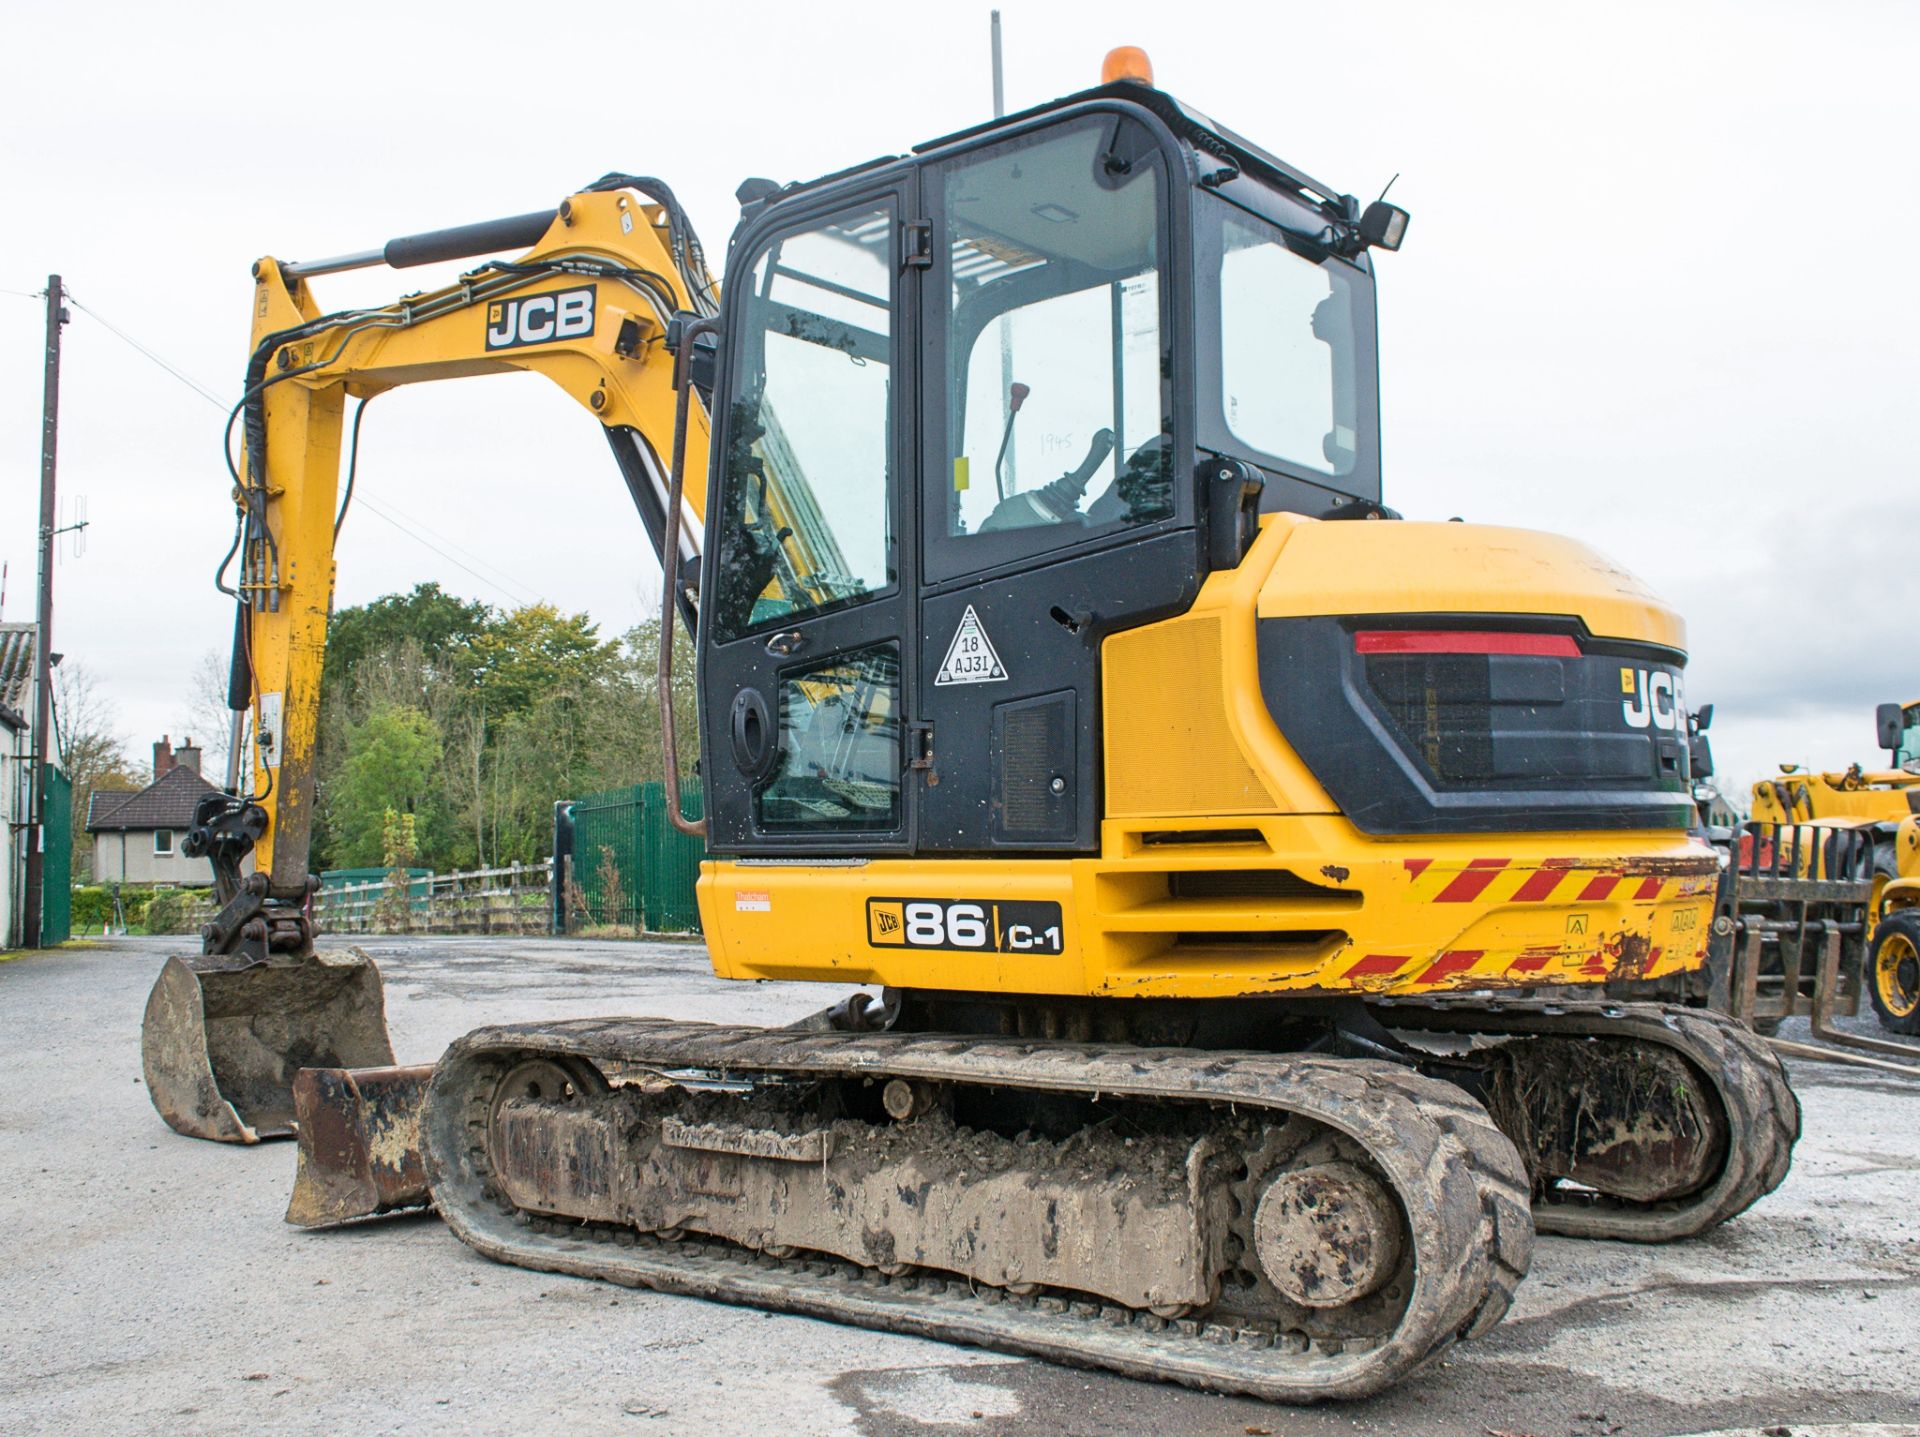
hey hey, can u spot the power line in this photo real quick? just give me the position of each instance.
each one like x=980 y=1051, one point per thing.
x=505 y=584
x=198 y=388
x=395 y=511
x=374 y=509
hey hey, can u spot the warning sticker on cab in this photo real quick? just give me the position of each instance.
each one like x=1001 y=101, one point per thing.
x=964 y=925
x=970 y=657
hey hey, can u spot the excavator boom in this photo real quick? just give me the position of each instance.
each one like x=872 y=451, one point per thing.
x=608 y=281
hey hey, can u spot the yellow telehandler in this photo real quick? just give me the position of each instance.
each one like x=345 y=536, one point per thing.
x=1232 y=856
x=1878 y=805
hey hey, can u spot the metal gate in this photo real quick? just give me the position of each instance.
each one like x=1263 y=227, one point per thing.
x=56 y=890
x=626 y=865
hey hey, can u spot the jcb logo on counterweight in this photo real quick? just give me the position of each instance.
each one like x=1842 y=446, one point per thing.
x=1653 y=697
x=540 y=318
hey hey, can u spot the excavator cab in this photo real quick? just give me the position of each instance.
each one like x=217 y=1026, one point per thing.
x=1898 y=729
x=980 y=408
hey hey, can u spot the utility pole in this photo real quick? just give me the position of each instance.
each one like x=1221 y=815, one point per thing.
x=43 y=625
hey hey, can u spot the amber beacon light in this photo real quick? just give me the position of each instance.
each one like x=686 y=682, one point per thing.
x=1126 y=62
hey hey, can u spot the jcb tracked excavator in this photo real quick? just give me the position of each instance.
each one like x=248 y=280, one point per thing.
x=1232 y=855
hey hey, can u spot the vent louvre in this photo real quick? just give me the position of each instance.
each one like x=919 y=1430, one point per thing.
x=1033 y=745
x=1251 y=883
x=1193 y=837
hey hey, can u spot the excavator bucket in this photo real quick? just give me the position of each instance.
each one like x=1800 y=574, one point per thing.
x=225 y=1034
x=360 y=1150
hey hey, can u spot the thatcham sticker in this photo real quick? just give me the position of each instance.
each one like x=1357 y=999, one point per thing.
x=752 y=900
x=970 y=657
x=540 y=318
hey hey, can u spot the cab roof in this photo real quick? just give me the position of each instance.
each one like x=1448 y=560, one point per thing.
x=1195 y=129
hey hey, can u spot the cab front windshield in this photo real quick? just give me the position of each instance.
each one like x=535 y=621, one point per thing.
x=1289 y=345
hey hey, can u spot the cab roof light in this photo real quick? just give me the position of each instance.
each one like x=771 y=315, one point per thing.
x=1126 y=62
x=1383 y=225
x=1464 y=641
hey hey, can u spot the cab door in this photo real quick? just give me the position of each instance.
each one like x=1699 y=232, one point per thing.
x=808 y=646
x=1054 y=509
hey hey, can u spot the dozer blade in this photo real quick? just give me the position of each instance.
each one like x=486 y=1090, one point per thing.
x=359 y=1144
x=224 y=1036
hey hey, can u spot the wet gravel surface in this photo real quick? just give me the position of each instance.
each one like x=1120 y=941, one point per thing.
x=148 y=1284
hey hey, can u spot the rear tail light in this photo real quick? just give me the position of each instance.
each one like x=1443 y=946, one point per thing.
x=1464 y=641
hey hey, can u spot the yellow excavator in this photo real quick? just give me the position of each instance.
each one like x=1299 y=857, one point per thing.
x=1232 y=856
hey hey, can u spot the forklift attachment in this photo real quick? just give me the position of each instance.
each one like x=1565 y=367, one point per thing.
x=1794 y=916
x=359 y=1131
x=225 y=1034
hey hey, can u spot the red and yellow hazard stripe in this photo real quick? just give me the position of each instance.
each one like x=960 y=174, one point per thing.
x=1563 y=880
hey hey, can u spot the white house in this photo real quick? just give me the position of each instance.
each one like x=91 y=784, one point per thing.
x=137 y=836
x=16 y=773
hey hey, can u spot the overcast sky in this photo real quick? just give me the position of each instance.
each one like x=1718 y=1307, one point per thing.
x=1656 y=294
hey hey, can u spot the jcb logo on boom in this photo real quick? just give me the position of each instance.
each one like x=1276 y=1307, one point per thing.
x=540 y=318
x=1653 y=697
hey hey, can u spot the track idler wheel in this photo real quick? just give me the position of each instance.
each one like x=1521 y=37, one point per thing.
x=1328 y=1235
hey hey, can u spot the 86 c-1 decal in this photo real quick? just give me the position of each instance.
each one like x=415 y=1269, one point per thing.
x=964 y=925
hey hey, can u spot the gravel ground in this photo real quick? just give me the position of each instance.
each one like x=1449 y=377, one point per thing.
x=147 y=1283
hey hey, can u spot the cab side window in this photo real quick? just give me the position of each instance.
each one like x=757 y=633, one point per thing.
x=807 y=523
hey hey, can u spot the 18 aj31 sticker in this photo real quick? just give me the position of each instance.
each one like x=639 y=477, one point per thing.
x=540 y=318
x=964 y=925
x=970 y=657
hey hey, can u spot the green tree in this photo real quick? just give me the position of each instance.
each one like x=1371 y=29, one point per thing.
x=520 y=708
x=536 y=652
x=392 y=762
x=394 y=912
x=90 y=750
x=438 y=622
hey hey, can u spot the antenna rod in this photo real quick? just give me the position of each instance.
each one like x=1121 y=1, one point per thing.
x=43 y=632
x=999 y=72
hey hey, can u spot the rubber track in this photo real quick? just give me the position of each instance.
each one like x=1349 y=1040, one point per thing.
x=1459 y=1179
x=1748 y=1078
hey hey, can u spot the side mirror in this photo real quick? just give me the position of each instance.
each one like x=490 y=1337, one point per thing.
x=1703 y=718
x=1890 y=721
x=1383 y=225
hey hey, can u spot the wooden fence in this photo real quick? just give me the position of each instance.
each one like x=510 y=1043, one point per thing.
x=514 y=899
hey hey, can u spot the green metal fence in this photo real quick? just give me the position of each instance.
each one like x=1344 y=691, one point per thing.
x=629 y=865
x=56 y=893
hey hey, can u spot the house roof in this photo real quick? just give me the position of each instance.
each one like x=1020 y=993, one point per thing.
x=103 y=801
x=167 y=802
x=16 y=666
